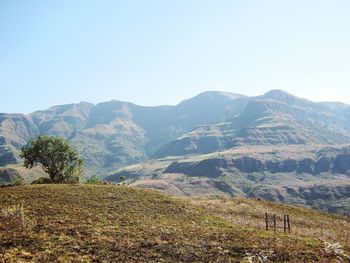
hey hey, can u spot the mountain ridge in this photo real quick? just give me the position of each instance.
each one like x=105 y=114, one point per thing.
x=115 y=133
x=275 y=146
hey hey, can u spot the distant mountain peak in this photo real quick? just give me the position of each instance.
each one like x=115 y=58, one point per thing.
x=278 y=93
x=220 y=93
x=212 y=97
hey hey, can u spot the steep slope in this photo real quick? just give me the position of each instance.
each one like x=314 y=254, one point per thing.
x=165 y=123
x=112 y=134
x=15 y=131
x=62 y=120
x=110 y=137
x=80 y=223
x=274 y=118
x=313 y=176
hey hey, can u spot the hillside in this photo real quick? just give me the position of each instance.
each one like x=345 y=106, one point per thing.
x=275 y=146
x=8 y=173
x=274 y=118
x=306 y=222
x=115 y=133
x=79 y=223
x=313 y=176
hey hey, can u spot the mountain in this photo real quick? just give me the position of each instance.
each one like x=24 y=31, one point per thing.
x=274 y=146
x=273 y=118
x=115 y=133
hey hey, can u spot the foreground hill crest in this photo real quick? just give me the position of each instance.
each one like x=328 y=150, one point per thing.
x=82 y=223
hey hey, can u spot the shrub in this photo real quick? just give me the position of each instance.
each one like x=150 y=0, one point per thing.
x=42 y=180
x=17 y=180
x=94 y=180
x=122 y=178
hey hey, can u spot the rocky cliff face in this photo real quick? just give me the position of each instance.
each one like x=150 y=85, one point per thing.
x=323 y=161
x=7 y=155
x=314 y=176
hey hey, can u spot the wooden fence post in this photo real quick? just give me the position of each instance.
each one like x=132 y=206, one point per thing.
x=271 y=222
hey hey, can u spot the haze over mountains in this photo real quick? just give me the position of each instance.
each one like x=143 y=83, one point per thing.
x=114 y=134
x=111 y=134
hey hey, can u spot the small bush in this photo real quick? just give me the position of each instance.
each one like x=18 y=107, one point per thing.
x=42 y=180
x=17 y=180
x=122 y=179
x=94 y=180
x=13 y=218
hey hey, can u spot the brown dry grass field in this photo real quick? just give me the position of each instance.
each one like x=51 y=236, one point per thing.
x=105 y=223
x=304 y=222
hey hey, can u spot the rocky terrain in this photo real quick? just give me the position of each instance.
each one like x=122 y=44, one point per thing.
x=113 y=134
x=313 y=176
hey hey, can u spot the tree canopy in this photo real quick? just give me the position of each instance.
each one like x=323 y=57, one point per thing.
x=55 y=156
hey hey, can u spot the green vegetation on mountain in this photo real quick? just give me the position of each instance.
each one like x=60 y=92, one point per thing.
x=82 y=223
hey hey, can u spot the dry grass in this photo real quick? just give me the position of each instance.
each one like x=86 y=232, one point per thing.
x=93 y=223
x=13 y=220
x=304 y=222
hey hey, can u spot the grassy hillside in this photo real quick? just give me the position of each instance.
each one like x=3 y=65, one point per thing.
x=80 y=223
x=305 y=222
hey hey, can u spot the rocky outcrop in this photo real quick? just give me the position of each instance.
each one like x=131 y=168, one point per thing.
x=341 y=163
x=7 y=175
x=323 y=165
x=214 y=167
x=205 y=168
x=7 y=156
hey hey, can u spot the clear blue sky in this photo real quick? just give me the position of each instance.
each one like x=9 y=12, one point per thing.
x=160 y=52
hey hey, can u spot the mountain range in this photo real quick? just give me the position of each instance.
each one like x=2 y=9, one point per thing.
x=175 y=140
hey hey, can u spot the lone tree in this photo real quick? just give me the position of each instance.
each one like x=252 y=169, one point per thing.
x=55 y=156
